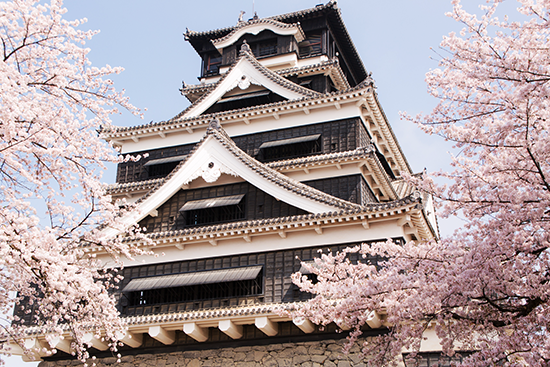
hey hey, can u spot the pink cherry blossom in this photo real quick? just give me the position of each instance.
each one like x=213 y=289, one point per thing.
x=486 y=288
x=53 y=102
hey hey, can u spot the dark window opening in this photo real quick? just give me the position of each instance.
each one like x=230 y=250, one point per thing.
x=212 y=65
x=385 y=164
x=197 y=292
x=214 y=210
x=311 y=46
x=160 y=170
x=290 y=148
x=264 y=48
x=244 y=100
x=434 y=359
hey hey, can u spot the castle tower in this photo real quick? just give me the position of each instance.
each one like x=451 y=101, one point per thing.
x=284 y=151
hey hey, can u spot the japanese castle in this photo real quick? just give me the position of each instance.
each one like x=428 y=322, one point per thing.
x=283 y=152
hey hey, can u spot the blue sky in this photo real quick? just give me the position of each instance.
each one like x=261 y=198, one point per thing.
x=396 y=40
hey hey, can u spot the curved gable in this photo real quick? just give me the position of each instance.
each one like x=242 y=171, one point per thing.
x=247 y=71
x=217 y=154
x=254 y=27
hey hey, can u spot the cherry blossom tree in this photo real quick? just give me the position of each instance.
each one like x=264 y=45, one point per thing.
x=52 y=204
x=485 y=289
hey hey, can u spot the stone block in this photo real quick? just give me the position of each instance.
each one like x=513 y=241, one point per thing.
x=285 y=362
x=194 y=363
x=316 y=349
x=300 y=359
x=269 y=361
x=288 y=352
x=192 y=354
x=343 y=364
x=273 y=347
x=239 y=357
x=242 y=349
x=127 y=359
x=259 y=355
x=318 y=358
x=329 y=364
x=355 y=358
x=171 y=359
x=334 y=347
x=300 y=350
x=227 y=353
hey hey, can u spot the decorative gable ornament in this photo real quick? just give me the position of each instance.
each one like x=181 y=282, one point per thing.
x=256 y=26
x=210 y=172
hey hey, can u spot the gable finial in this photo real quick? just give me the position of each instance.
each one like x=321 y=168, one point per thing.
x=241 y=17
x=245 y=46
x=214 y=124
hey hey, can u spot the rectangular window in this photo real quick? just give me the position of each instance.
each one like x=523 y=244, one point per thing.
x=213 y=210
x=264 y=48
x=434 y=359
x=290 y=148
x=195 y=286
x=162 y=166
x=311 y=46
x=212 y=65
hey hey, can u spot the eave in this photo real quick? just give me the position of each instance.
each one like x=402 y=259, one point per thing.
x=162 y=327
x=369 y=165
x=330 y=68
x=406 y=212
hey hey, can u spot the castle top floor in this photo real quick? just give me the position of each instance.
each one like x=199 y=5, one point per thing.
x=283 y=41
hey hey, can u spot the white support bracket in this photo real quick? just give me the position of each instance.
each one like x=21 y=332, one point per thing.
x=230 y=329
x=90 y=339
x=405 y=220
x=13 y=348
x=267 y=326
x=196 y=332
x=373 y=320
x=342 y=325
x=131 y=339
x=162 y=335
x=36 y=347
x=304 y=324
x=63 y=344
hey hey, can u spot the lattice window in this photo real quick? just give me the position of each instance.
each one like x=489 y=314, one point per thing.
x=264 y=48
x=212 y=64
x=214 y=210
x=311 y=46
x=434 y=359
x=290 y=148
x=198 y=292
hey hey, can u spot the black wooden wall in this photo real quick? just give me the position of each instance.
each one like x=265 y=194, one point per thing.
x=258 y=204
x=278 y=266
x=336 y=136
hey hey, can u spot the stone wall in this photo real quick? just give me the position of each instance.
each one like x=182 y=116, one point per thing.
x=327 y=353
